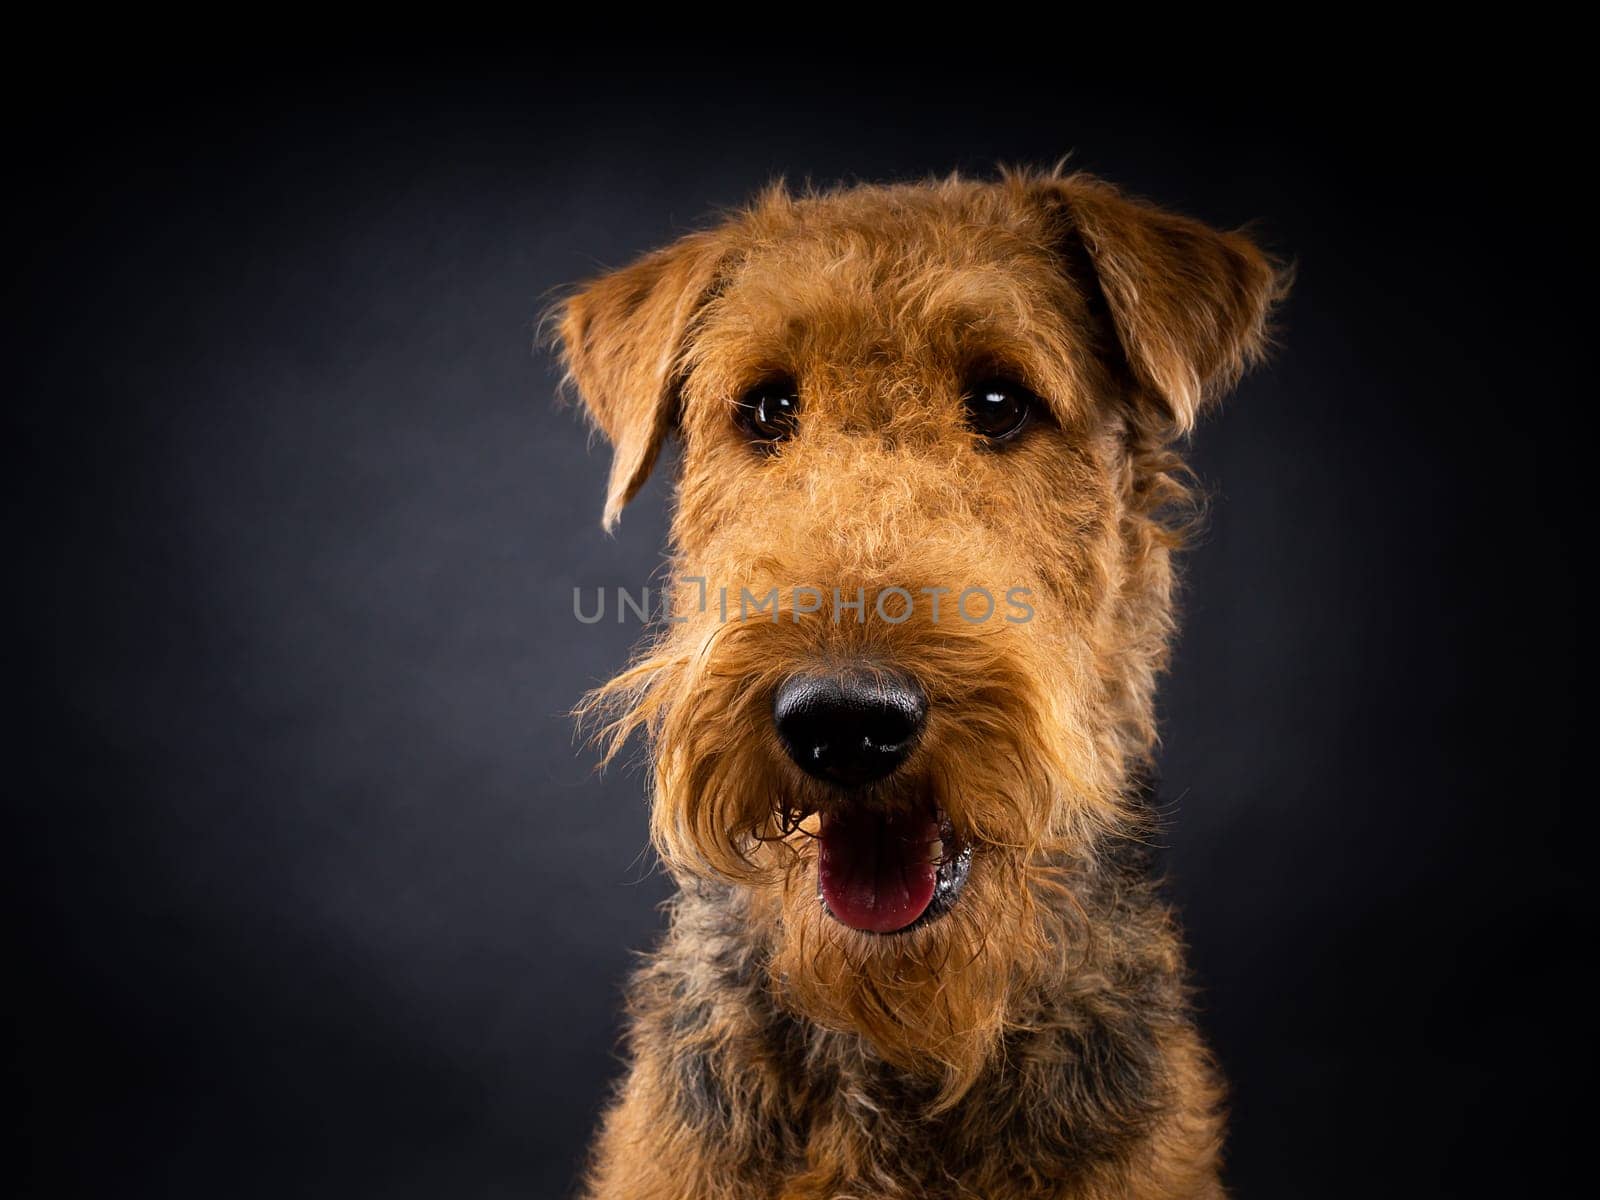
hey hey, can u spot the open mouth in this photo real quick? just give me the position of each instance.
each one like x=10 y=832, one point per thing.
x=886 y=872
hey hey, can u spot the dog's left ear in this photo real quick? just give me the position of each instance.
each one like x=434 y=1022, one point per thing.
x=622 y=339
x=1189 y=303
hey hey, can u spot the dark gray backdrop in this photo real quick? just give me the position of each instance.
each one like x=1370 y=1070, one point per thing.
x=316 y=894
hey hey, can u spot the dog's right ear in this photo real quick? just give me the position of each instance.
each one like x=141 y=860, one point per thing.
x=622 y=339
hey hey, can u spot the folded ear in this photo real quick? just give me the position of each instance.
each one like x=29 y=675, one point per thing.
x=622 y=338
x=1189 y=303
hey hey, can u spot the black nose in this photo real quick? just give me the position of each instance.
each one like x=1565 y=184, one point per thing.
x=852 y=727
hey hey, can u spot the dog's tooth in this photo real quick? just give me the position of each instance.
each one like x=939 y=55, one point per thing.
x=938 y=850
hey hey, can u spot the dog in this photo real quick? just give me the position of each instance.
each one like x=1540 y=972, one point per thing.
x=900 y=711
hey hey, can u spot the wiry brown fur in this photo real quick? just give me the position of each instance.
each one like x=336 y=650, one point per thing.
x=1034 y=1041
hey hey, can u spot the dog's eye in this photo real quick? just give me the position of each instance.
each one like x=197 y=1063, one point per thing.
x=997 y=409
x=771 y=411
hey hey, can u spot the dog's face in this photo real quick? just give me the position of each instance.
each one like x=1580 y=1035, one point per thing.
x=922 y=582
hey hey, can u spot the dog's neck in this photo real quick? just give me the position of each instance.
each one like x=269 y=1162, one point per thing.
x=1081 y=1054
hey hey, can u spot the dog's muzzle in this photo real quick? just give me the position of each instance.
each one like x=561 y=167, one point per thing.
x=879 y=869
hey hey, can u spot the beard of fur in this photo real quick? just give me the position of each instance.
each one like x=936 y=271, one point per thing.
x=1019 y=768
x=1028 y=782
x=934 y=1002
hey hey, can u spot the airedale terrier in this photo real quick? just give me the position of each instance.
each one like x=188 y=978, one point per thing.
x=901 y=704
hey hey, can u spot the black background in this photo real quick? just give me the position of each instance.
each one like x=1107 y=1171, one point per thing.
x=316 y=895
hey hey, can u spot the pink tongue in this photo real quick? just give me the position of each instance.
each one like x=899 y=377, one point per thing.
x=878 y=870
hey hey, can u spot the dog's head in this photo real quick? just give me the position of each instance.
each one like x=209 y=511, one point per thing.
x=921 y=567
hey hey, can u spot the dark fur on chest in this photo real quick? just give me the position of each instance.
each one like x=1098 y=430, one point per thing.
x=1075 y=1088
